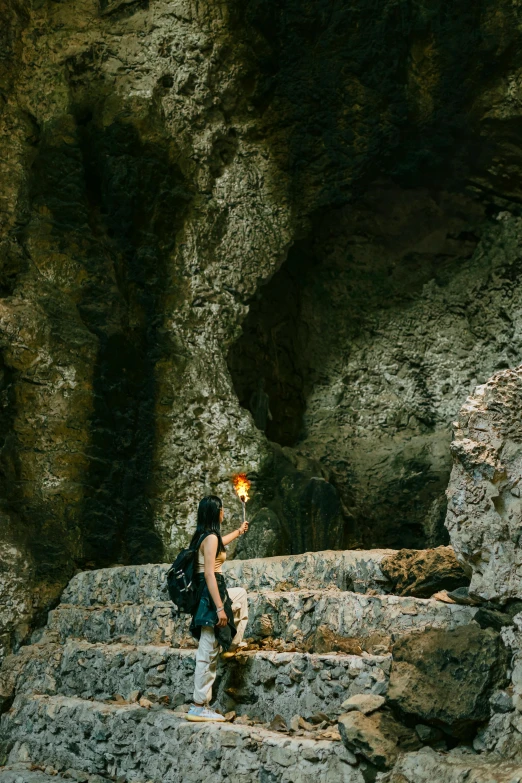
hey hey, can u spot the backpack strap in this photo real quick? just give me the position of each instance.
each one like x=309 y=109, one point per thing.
x=200 y=541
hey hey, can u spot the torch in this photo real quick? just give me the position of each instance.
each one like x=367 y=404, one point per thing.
x=241 y=486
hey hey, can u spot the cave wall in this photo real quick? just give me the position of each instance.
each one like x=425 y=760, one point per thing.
x=369 y=337
x=410 y=321
x=160 y=158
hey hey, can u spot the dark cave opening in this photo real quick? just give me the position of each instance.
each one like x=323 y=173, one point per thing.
x=268 y=363
x=316 y=351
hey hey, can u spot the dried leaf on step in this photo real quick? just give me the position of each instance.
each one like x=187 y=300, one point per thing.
x=320 y=717
x=442 y=595
x=243 y=720
x=330 y=734
x=278 y=724
x=294 y=723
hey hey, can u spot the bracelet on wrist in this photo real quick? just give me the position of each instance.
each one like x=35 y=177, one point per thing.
x=219 y=608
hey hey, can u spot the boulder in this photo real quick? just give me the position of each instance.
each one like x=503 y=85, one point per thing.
x=363 y=702
x=379 y=737
x=484 y=516
x=428 y=766
x=422 y=573
x=445 y=678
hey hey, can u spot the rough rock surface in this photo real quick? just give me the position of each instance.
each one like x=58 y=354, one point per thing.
x=23 y=773
x=503 y=732
x=445 y=677
x=239 y=753
x=160 y=163
x=112 y=708
x=422 y=573
x=285 y=684
x=484 y=516
x=385 y=351
x=427 y=766
x=358 y=571
x=303 y=617
x=363 y=702
x=379 y=737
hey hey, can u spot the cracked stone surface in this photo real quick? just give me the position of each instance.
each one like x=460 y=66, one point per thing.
x=239 y=752
x=484 y=504
x=359 y=571
x=425 y=766
x=468 y=662
x=197 y=194
x=261 y=683
x=94 y=662
x=166 y=167
x=303 y=617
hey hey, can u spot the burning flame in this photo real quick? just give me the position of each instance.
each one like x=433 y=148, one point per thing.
x=241 y=485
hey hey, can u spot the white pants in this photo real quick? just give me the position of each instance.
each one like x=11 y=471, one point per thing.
x=208 y=649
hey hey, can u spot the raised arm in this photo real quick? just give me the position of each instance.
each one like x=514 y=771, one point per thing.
x=235 y=533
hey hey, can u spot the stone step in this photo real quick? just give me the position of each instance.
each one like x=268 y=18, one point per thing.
x=427 y=766
x=314 y=621
x=136 y=744
x=259 y=684
x=347 y=570
x=22 y=773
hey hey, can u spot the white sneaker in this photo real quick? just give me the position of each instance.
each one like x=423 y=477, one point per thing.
x=201 y=714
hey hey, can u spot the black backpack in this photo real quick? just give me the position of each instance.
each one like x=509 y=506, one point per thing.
x=181 y=583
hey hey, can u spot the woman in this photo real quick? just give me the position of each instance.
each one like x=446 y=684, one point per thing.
x=221 y=615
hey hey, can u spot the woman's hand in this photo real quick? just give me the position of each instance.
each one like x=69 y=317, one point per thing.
x=243 y=528
x=222 y=619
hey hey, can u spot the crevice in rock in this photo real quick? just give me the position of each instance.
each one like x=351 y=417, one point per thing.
x=268 y=363
x=136 y=199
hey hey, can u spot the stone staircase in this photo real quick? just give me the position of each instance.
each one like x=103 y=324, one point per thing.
x=101 y=691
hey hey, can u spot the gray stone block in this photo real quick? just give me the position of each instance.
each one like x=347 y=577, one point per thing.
x=427 y=766
x=347 y=570
x=136 y=745
x=259 y=684
x=310 y=619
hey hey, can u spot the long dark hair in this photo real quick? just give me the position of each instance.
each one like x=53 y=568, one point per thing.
x=208 y=520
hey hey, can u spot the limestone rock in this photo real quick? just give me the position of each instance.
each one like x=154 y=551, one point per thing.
x=363 y=702
x=379 y=737
x=484 y=503
x=422 y=573
x=162 y=179
x=428 y=766
x=446 y=677
x=266 y=625
x=379 y=423
x=110 y=735
x=501 y=701
x=320 y=621
x=276 y=683
x=357 y=571
x=294 y=508
x=428 y=734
